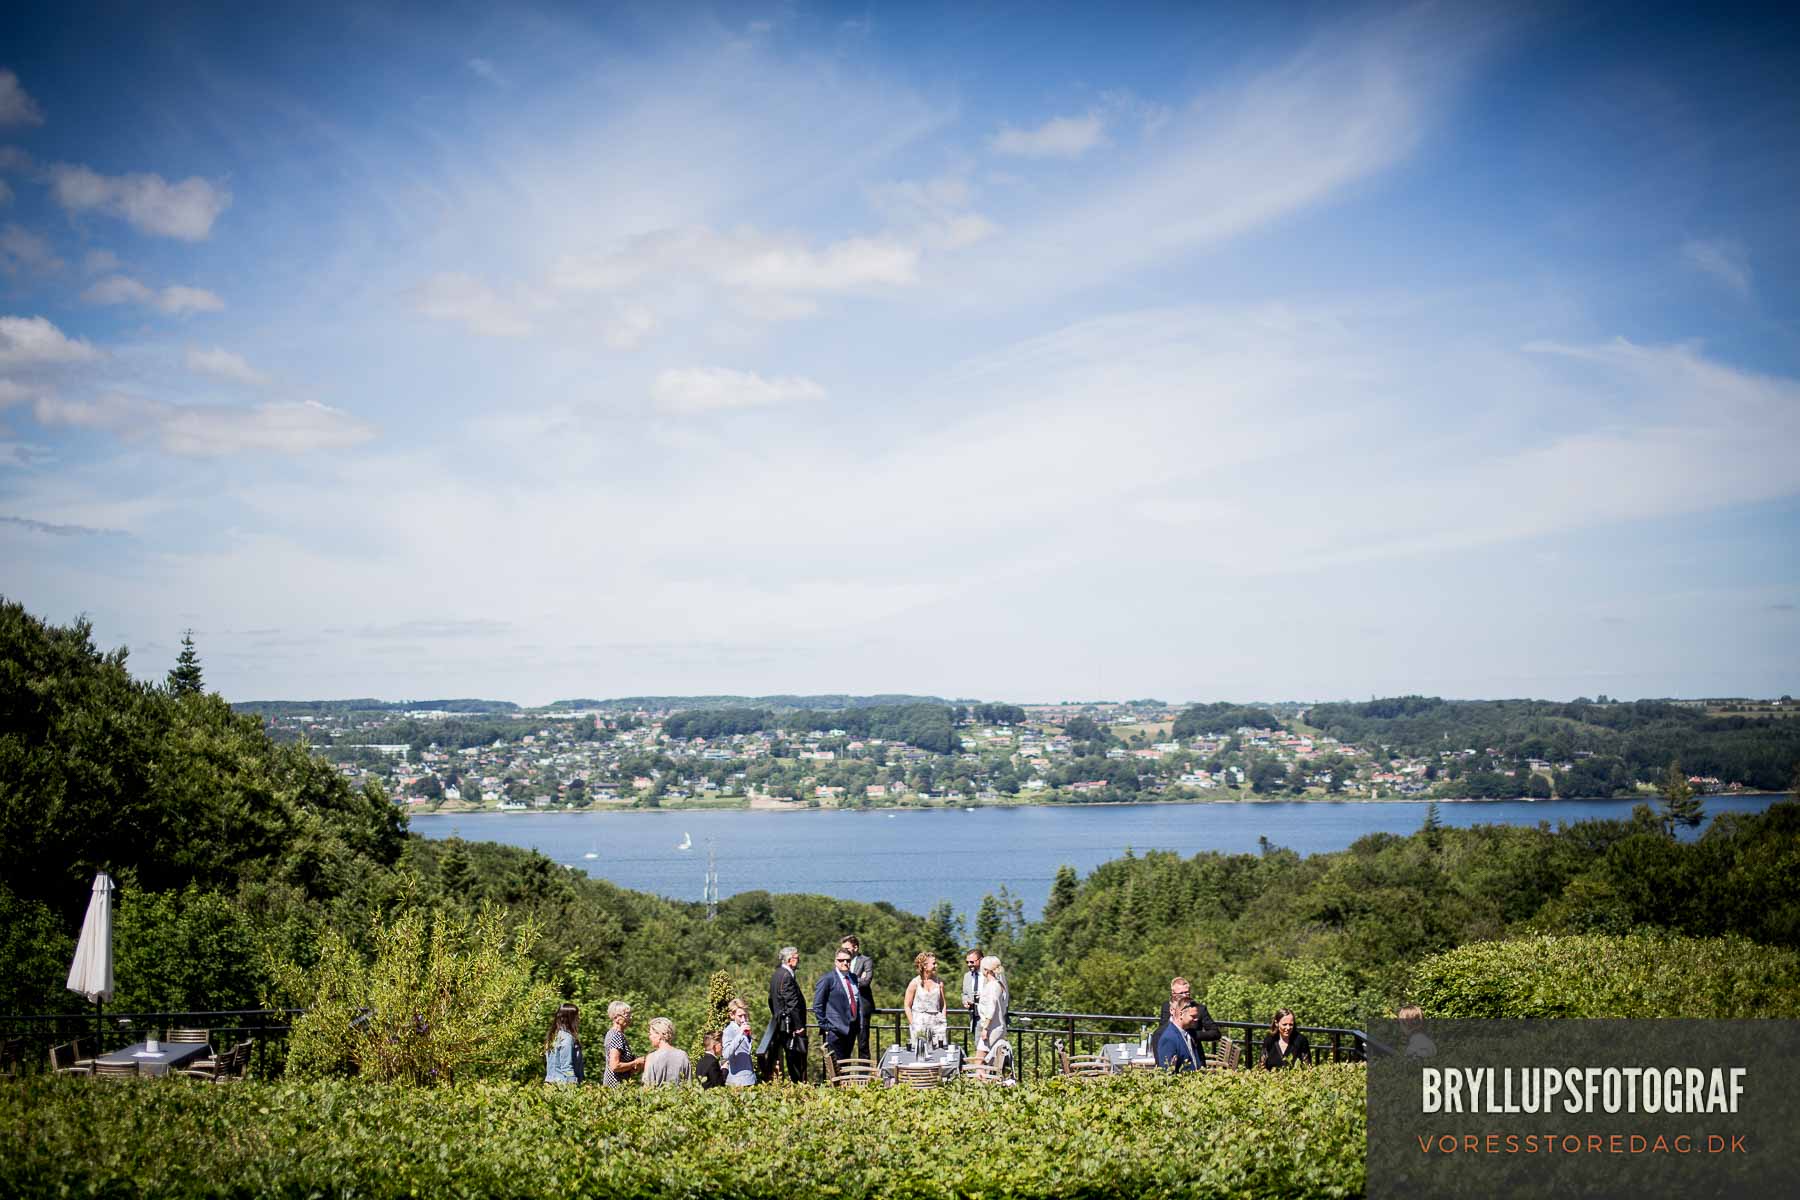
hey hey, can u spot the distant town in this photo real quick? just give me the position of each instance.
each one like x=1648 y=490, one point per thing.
x=784 y=753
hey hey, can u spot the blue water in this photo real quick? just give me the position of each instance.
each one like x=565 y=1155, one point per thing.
x=915 y=858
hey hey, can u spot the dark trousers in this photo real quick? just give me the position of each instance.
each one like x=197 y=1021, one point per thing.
x=862 y=1031
x=839 y=1045
x=790 y=1052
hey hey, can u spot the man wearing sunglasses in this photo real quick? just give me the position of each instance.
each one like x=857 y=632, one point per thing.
x=837 y=1003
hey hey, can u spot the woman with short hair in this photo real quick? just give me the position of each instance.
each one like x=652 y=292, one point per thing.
x=620 y=1061
x=562 y=1047
x=666 y=1063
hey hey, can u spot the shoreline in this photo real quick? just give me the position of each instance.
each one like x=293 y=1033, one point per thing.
x=806 y=808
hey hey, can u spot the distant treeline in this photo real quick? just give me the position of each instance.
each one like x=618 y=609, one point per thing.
x=324 y=708
x=1613 y=745
x=927 y=726
x=1222 y=718
x=779 y=703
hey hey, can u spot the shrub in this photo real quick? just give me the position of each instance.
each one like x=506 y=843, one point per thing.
x=445 y=997
x=1287 y=1134
x=1635 y=975
x=1319 y=993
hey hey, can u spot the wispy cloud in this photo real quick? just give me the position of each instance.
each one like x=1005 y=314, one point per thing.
x=453 y=296
x=176 y=299
x=692 y=390
x=16 y=105
x=149 y=203
x=223 y=364
x=1724 y=259
x=209 y=431
x=1059 y=137
x=55 y=530
x=23 y=250
x=485 y=69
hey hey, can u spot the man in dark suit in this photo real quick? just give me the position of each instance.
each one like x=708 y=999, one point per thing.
x=786 y=1034
x=1181 y=992
x=1176 y=1050
x=862 y=967
x=837 y=1003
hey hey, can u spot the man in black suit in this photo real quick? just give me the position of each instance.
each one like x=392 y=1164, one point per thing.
x=1181 y=992
x=786 y=1033
x=862 y=967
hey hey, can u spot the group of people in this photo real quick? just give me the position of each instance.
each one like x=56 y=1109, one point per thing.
x=1184 y=1023
x=843 y=1002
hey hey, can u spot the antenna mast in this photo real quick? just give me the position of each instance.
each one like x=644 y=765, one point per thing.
x=712 y=882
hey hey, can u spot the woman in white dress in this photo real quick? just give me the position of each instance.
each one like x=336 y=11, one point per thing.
x=990 y=1027
x=925 y=1003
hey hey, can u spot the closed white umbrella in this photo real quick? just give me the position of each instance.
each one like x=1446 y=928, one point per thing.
x=91 y=973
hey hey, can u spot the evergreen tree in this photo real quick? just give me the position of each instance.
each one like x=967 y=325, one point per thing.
x=1680 y=806
x=1062 y=893
x=987 y=921
x=1433 y=829
x=456 y=872
x=943 y=933
x=184 y=677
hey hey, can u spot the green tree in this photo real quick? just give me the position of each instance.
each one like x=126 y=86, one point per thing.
x=184 y=677
x=1680 y=806
x=987 y=921
x=943 y=932
x=1433 y=828
x=1062 y=893
x=456 y=873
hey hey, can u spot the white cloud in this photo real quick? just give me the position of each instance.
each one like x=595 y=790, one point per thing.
x=21 y=249
x=452 y=296
x=12 y=393
x=223 y=364
x=745 y=259
x=150 y=203
x=1722 y=258
x=16 y=106
x=485 y=69
x=176 y=300
x=934 y=212
x=209 y=431
x=1059 y=137
x=99 y=262
x=629 y=326
x=691 y=390
x=31 y=341
x=24 y=455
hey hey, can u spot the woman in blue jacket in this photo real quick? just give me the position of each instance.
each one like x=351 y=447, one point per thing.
x=562 y=1047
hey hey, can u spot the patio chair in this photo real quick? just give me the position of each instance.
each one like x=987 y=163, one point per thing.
x=188 y=1037
x=1225 y=1058
x=109 y=1070
x=66 y=1059
x=913 y=1075
x=854 y=1072
x=221 y=1068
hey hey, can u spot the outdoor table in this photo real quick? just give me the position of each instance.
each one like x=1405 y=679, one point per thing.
x=1122 y=1055
x=948 y=1059
x=169 y=1056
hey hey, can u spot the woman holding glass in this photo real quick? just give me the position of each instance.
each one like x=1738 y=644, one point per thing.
x=925 y=1004
x=739 y=1061
x=620 y=1061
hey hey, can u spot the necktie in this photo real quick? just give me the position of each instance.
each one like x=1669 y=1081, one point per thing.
x=849 y=991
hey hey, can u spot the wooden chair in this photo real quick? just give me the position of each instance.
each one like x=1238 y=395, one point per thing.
x=188 y=1037
x=1225 y=1058
x=66 y=1059
x=1087 y=1066
x=108 y=1070
x=222 y=1068
x=914 y=1075
x=854 y=1072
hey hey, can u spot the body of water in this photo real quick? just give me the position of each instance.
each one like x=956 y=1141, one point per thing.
x=913 y=858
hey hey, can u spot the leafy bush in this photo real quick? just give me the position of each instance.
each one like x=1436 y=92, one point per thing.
x=1636 y=975
x=1319 y=993
x=1295 y=1133
x=446 y=997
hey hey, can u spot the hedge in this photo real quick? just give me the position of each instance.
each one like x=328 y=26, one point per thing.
x=1640 y=975
x=1289 y=1134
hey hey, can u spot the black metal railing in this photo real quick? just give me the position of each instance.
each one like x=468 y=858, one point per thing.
x=36 y=1033
x=1034 y=1037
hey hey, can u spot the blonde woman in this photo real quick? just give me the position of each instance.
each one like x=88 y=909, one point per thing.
x=666 y=1062
x=925 y=1004
x=990 y=1013
x=739 y=1060
x=620 y=1061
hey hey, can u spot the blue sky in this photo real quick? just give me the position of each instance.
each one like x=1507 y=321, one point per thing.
x=1013 y=352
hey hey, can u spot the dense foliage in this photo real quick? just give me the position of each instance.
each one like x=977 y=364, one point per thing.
x=1647 y=975
x=1222 y=718
x=1298 y=1133
x=1611 y=745
x=927 y=726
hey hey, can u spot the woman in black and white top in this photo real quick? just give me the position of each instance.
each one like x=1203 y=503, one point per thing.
x=1284 y=1046
x=620 y=1061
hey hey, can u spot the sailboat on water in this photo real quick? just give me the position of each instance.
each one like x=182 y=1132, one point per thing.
x=686 y=843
